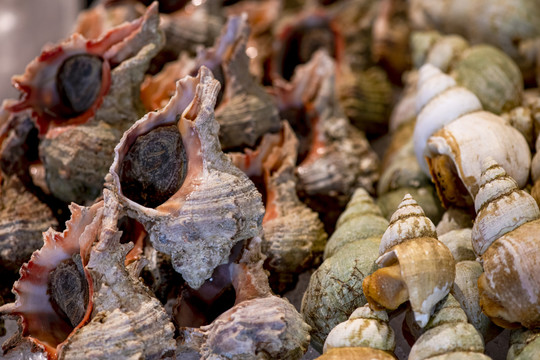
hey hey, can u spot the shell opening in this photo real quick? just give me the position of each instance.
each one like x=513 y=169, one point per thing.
x=302 y=41
x=68 y=290
x=155 y=167
x=385 y=288
x=196 y=308
x=78 y=82
x=450 y=188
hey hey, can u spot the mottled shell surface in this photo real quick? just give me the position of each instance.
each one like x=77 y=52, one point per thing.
x=294 y=236
x=511 y=261
x=259 y=325
x=461 y=145
x=335 y=288
x=76 y=158
x=424 y=266
x=361 y=219
x=355 y=353
x=365 y=328
x=492 y=76
x=448 y=332
x=23 y=218
x=246 y=111
x=127 y=320
x=216 y=205
x=41 y=322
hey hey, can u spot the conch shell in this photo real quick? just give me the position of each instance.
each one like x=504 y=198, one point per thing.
x=294 y=237
x=198 y=211
x=45 y=321
x=366 y=334
x=416 y=266
x=505 y=235
x=259 y=325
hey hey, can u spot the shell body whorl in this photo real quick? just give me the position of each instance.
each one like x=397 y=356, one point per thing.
x=216 y=205
x=506 y=234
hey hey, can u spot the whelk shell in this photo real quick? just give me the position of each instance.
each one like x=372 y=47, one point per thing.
x=416 y=266
x=505 y=235
x=213 y=204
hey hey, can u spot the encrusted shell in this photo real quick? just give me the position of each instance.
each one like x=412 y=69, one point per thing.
x=364 y=328
x=294 y=237
x=23 y=218
x=449 y=336
x=416 y=266
x=76 y=158
x=335 y=288
x=127 y=320
x=259 y=325
x=41 y=323
x=215 y=206
x=505 y=234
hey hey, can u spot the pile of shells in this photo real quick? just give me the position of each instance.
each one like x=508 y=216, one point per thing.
x=276 y=179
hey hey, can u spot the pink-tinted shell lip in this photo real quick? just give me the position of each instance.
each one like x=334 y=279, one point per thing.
x=183 y=110
x=40 y=322
x=39 y=92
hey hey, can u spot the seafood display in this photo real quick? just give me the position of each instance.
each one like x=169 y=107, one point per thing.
x=244 y=179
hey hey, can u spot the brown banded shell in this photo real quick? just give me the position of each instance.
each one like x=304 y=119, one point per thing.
x=505 y=235
x=215 y=206
x=365 y=329
x=415 y=265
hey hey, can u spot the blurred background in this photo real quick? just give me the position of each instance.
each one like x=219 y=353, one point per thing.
x=25 y=26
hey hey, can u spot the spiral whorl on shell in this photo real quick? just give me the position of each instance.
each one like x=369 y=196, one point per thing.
x=335 y=288
x=205 y=204
x=449 y=336
x=505 y=235
x=452 y=133
x=416 y=266
x=366 y=334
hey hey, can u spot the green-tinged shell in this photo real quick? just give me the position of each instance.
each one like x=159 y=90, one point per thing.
x=524 y=345
x=365 y=97
x=425 y=196
x=448 y=332
x=365 y=328
x=335 y=288
x=361 y=219
x=492 y=76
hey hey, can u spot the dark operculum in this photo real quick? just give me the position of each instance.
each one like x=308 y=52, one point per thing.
x=154 y=167
x=68 y=290
x=78 y=83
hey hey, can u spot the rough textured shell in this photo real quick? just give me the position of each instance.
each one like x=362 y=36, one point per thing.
x=294 y=236
x=365 y=328
x=127 y=320
x=361 y=219
x=23 y=218
x=77 y=158
x=216 y=206
x=524 y=345
x=40 y=321
x=335 y=288
x=259 y=325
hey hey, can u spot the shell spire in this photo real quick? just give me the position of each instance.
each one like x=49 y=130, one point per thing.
x=408 y=222
x=415 y=265
x=499 y=196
